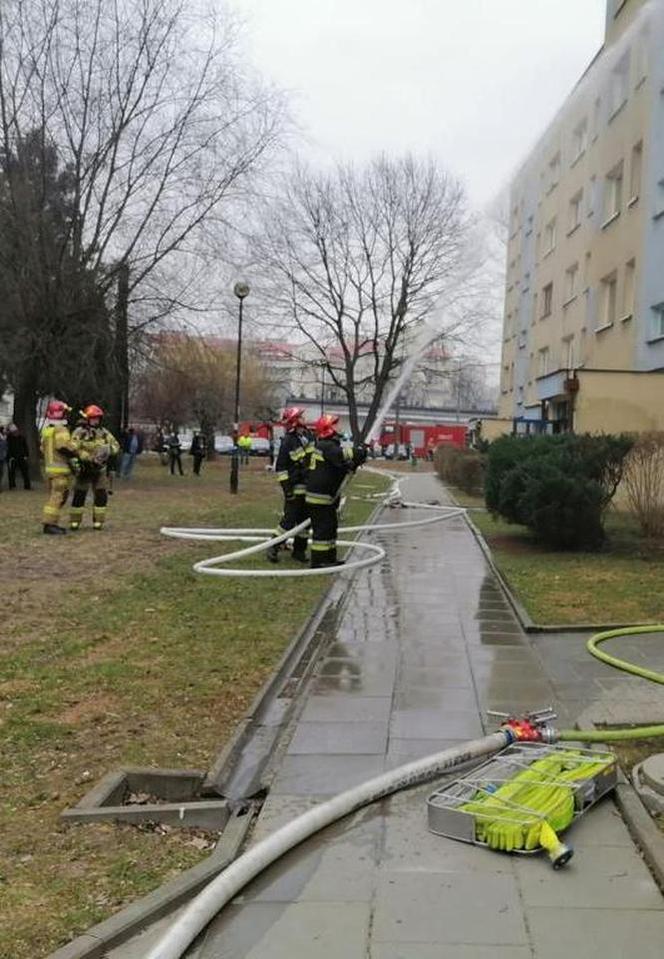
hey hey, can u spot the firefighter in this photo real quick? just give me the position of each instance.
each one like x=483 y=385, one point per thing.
x=99 y=451
x=329 y=465
x=292 y=461
x=61 y=463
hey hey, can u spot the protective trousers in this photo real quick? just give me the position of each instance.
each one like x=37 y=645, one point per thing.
x=324 y=523
x=295 y=512
x=58 y=491
x=99 y=484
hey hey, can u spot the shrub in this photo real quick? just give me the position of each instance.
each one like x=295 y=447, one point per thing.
x=557 y=486
x=644 y=483
x=461 y=468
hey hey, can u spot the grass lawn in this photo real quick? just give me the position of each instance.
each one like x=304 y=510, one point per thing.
x=113 y=652
x=623 y=583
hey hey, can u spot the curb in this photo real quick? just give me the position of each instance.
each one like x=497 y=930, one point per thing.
x=123 y=925
x=647 y=836
x=524 y=618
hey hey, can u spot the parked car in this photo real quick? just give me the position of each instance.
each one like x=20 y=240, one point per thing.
x=223 y=445
x=260 y=446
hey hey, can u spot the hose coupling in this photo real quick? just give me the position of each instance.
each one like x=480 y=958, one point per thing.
x=531 y=727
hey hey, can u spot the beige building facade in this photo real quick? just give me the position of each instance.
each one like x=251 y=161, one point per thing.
x=583 y=335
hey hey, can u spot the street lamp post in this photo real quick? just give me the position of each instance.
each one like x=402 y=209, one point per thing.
x=241 y=290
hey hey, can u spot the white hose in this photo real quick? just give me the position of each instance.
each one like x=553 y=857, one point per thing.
x=265 y=538
x=201 y=910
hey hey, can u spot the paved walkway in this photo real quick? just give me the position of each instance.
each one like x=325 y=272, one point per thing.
x=423 y=646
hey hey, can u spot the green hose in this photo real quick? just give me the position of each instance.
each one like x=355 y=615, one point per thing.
x=634 y=732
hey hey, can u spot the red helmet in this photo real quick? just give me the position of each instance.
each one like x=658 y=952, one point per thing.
x=326 y=426
x=93 y=412
x=57 y=410
x=292 y=416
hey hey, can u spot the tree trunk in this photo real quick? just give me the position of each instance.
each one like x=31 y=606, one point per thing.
x=25 y=417
x=207 y=429
x=120 y=404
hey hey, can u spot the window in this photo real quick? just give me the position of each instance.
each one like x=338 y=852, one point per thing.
x=529 y=225
x=508 y=326
x=506 y=378
x=609 y=298
x=629 y=291
x=550 y=236
x=547 y=300
x=571 y=275
x=575 y=207
x=579 y=140
x=641 y=59
x=659 y=200
x=635 y=169
x=597 y=117
x=534 y=315
x=586 y=269
x=613 y=193
x=568 y=353
x=543 y=361
x=554 y=172
x=592 y=190
x=619 y=81
x=658 y=320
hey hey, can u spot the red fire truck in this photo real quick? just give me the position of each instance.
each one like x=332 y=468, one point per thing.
x=424 y=437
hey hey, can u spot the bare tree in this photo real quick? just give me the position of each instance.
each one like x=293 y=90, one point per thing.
x=185 y=380
x=155 y=121
x=359 y=260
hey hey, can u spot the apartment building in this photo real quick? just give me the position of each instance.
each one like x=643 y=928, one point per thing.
x=583 y=337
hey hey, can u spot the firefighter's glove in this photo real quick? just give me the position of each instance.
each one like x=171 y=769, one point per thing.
x=75 y=466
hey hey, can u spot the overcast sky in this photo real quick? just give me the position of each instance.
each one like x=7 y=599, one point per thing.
x=471 y=81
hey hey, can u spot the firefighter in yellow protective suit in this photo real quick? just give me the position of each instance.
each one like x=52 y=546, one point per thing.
x=61 y=462
x=99 y=450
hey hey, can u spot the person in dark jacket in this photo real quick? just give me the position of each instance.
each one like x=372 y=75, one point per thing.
x=131 y=443
x=330 y=463
x=198 y=450
x=17 y=457
x=292 y=461
x=3 y=452
x=174 y=448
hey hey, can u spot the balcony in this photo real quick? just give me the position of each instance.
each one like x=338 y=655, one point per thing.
x=551 y=385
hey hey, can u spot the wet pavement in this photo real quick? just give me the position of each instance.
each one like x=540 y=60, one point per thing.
x=426 y=643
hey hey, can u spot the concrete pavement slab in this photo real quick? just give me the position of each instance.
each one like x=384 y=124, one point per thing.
x=596 y=933
x=432 y=950
x=324 y=775
x=613 y=877
x=448 y=907
x=358 y=709
x=341 y=738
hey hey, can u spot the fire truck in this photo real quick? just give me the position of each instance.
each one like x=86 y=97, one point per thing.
x=422 y=438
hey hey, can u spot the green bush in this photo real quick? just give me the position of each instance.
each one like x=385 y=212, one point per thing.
x=461 y=468
x=557 y=486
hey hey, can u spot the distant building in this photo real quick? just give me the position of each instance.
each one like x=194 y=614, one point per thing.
x=583 y=337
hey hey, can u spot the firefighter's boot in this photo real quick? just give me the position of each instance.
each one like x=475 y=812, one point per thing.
x=299 y=550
